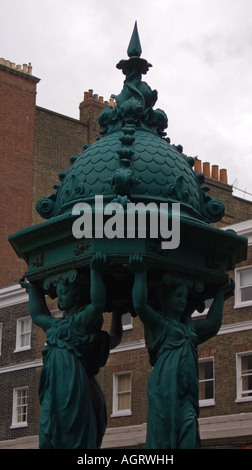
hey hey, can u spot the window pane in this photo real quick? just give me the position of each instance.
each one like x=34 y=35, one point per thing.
x=22 y=405
x=247 y=385
x=206 y=380
x=201 y=371
x=246 y=293
x=124 y=402
x=123 y=392
x=22 y=414
x=246 y=278
x=246 y=375
x=246 y=363
x=208 y=370
x=25 y=340
x=209 y=391
x=25 y=332
x=126 y=319
x=202 y=391
x=123 y=383
x=208 y=303
x=25 y=325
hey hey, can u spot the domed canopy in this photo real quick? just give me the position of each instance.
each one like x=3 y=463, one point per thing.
x=133 y=160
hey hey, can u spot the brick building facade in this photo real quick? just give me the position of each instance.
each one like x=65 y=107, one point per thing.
x=36 y=145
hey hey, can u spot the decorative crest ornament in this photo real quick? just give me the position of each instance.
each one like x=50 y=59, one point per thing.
x=134 y=49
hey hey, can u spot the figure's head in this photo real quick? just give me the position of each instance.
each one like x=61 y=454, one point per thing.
x=72 y=291
x=175 y=299
x=180 y=295
x=173 y=295
x=69 y=294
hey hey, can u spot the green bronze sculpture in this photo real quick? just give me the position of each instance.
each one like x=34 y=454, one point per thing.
x=73 y=410
x=133 y=162
x=173 y=340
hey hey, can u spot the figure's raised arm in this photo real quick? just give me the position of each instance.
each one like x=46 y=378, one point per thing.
x=209 y=326
x=139 y=292
x=37 y=305
x=140 y=295
x=89 y=316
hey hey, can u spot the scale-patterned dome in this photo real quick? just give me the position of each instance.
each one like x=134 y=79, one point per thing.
x=157 y=171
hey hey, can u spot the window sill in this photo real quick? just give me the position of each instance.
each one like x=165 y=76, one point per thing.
x=241 y=400
x=119 y=414
x=243 y=304
x=203 y=403
x=127 y=327
x=27 y=348
x=19 y=425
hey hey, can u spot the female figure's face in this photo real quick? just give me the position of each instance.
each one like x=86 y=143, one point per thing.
x=176 y=300
x=68 y=296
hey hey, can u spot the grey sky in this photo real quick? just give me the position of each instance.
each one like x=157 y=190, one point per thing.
x=201 y=52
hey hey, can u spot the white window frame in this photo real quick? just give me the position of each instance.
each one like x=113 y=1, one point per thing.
x=239 y=390
x=1 y=337
x=129 y=325
x=196 y=314
x=238 y=302
x=18 y=347
x=115 y=411
x=15 y=422
x=208 y=401
x=57 y=313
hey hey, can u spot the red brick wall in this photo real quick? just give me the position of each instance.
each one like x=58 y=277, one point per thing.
x=17 y=125
x=90 y=109
x=18 y=378
x=57 y=137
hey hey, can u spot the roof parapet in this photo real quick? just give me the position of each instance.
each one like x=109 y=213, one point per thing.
x=90 y=96
x=25 y=68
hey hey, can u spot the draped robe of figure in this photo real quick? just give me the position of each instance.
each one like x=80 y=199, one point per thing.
x=173 y=387
x=73 y=411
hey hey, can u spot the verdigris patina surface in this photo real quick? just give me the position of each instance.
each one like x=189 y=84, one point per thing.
x=73 y=410
x=132 y=163
x=173 y=338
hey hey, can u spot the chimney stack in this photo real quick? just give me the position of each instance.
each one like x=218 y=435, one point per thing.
x=90 y=109
x=211 y=172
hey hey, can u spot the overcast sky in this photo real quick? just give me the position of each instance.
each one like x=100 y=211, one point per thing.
x=201 y=52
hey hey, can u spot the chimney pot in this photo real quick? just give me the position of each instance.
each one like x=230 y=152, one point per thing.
x=206 y=169
x=223 y=175
x=90 y=93
x=25 y=69
x=197 y=166
x=215 y=172
x=86 y=95
x=101 y=99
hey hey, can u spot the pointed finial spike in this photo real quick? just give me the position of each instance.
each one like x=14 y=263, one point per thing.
x=134 y=49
